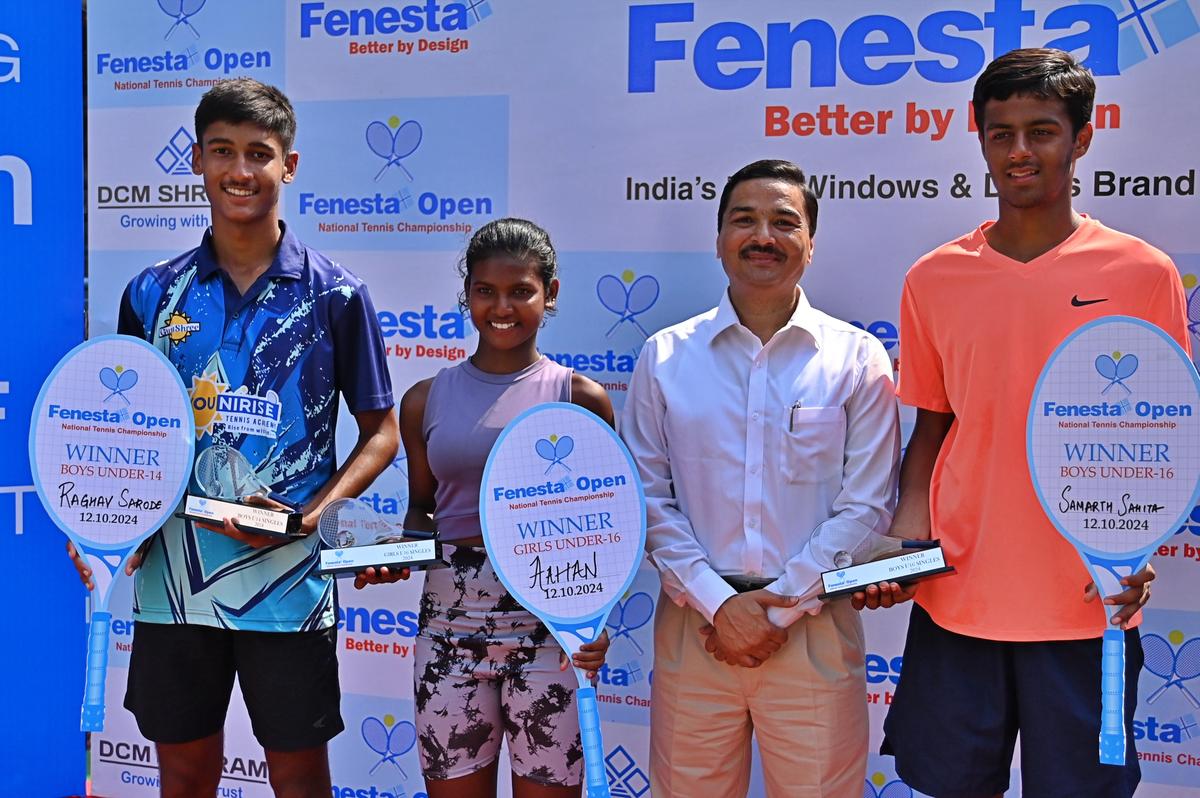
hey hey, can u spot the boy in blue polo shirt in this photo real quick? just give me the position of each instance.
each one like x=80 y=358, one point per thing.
x=266 y=334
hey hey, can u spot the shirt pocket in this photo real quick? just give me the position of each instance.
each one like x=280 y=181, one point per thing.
x=814 y=444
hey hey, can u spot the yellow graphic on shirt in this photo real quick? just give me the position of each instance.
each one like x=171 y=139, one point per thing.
x=178 y=327
x=204 y=393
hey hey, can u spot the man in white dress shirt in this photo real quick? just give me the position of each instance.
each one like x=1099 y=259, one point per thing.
x=767 y=435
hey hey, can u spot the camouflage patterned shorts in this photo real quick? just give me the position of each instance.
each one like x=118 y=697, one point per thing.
x=485 y=666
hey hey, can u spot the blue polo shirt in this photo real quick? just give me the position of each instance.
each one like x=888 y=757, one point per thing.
x=265 y=370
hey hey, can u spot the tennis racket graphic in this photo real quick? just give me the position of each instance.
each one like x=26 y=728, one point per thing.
x=631 y=614
x=110 y=478
x=566 y=550
x=1116 y=479
x=394 y=147
x=181 y=11
x=390 y=744
x=627 y=302
x=1173 y=667
x=893 y=789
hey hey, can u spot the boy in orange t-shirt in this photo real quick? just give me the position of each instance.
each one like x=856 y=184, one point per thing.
x=1008 y=644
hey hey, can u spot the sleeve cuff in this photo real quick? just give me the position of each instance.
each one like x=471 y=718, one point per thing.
x=707 y=592
x=783 y=617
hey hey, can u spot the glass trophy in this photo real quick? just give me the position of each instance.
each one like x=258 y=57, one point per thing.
x=356 y=537
x=880 y=558
x=227 y=480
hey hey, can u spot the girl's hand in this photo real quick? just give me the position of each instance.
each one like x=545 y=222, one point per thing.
x=379 y=576
x=590 y=657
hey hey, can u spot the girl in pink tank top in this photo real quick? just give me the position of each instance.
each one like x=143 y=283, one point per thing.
x=485 y=667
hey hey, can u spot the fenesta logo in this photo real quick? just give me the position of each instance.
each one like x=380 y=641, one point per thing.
x=429 y=16
x=185 y=56
x=425 y=322
x=1150 y=26
x=115 y=382
x=394 y=142
x=382 y=621
x=949 y=46
x=1116 y=368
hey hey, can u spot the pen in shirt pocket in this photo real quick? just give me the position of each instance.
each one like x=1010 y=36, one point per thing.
x=796 y=405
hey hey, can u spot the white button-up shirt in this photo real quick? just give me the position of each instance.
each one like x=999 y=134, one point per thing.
x=761 y=461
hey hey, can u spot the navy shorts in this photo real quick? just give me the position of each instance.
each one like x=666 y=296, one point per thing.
x=181 y=677
x=961 y=700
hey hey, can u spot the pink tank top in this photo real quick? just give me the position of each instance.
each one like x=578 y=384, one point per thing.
x=464 y=413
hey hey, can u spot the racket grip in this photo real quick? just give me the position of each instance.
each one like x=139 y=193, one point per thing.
x=97 y=668
x=1112 y=698
x=593 y=744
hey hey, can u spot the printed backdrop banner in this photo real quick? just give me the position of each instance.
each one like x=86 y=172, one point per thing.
x=614 y=125
x=41 y=256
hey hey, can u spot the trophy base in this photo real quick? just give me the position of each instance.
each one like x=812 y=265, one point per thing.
x=248 y=518
x=903 y=569
x=415 y=554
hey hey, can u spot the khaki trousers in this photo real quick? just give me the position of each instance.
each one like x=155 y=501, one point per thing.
x=806 y=706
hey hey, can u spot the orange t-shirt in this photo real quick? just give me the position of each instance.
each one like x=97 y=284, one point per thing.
x=976 y=329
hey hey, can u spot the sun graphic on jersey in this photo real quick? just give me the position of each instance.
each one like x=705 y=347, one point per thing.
x=178 y=327
x=204 y=393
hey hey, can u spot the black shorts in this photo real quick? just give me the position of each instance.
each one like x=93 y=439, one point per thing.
x=961 y=701
x=181 y=677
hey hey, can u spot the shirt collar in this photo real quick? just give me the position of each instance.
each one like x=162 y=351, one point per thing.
x=803 y=318
x=288 y=262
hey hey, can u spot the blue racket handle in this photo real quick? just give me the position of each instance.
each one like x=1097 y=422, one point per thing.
x=97 y=668
x=1112 y=698
x=593 y=744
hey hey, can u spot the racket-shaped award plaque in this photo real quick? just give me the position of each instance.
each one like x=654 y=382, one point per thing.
x=357 y=537
x=110 y=444
x=1114 y=452
x=226 y=480
x=564 y=520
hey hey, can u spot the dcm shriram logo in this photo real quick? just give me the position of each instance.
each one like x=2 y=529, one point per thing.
x=948 y=46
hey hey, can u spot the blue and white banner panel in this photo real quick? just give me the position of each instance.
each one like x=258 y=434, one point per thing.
x=41 y=318
x=614 y=125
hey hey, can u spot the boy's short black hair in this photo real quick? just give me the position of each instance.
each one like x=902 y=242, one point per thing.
x=1037 y=72
x=239 y=100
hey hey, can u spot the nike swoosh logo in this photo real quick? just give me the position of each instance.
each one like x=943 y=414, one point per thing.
x=1079 y=303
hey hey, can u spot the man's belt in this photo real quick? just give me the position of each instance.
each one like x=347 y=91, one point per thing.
x=744 y=584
